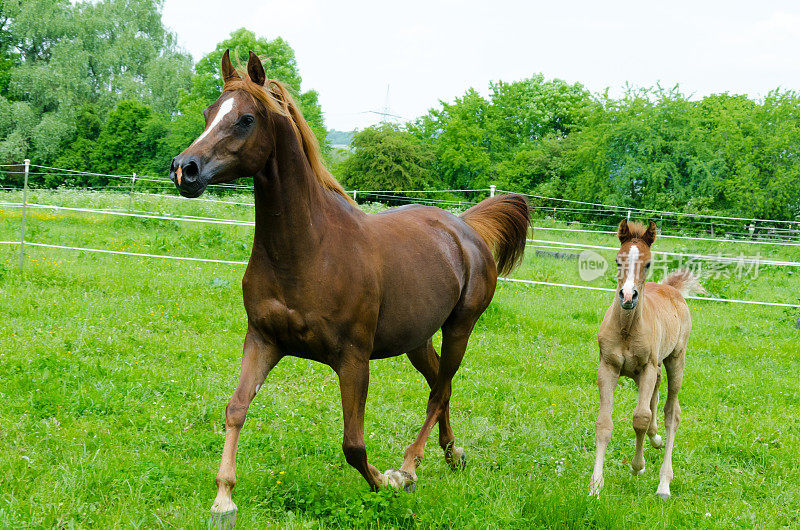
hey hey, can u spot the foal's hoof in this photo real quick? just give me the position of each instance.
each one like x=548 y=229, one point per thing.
x=657 y=442
x=456 y=459
x=401 y=480
x=637 y=472
x=663 y=496
x=222 y=520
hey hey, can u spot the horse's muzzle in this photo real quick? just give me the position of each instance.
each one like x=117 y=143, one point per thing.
x=628 y=302
x=185 y=173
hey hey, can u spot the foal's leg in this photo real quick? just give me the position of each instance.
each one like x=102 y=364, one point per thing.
x=607 y=378
x=642 y=416
x=672 y=417
x=353 y=383
x=258 y=359
x=454 y=344
x=426 y=361
x=652 y=431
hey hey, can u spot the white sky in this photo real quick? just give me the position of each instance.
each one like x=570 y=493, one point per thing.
x=349 y=51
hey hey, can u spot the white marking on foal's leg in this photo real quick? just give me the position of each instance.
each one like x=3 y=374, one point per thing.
x=223 y=110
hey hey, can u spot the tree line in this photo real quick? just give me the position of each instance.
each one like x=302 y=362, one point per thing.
x=103 y=87
x=651 y=148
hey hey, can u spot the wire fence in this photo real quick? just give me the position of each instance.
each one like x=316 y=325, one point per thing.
x=784 y=232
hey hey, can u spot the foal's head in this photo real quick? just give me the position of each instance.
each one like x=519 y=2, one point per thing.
x=633 y=260
x=240 y=133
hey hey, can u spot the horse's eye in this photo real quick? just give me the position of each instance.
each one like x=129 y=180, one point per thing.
x=247 y=120
x=647 y=266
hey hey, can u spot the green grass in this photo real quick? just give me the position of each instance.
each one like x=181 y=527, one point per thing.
x=115 y=372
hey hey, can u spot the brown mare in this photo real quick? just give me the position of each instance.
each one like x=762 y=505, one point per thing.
x=637 y=335
x=329 y=283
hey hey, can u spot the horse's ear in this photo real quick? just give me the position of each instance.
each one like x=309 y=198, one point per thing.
x=256 y=70
x=649 y=236
x=623 y=232
x=228 y=71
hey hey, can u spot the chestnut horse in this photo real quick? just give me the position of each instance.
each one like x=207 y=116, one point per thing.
x=637 y=335
x=329 y=283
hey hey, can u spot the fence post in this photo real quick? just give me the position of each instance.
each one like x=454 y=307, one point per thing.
x=355 y=193
x=22 y=231
x=629 y=215
x=491 y=190
x=130 y=202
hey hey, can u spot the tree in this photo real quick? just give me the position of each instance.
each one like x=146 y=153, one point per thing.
x=64 y=56
x=129 y=140
x=386 y=157
x=457 y=135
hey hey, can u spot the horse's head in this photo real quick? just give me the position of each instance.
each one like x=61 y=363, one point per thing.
x=236 y=141
x=633 y=260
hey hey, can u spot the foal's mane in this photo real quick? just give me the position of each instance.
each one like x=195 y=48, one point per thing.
x=276 y=98
x=636 y=229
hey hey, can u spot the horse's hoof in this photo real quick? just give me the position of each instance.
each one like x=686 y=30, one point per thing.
x=401 y=480
x=222 y=520
x=636 y=472
x=657 y=442
x=457 y=459
x=663 y=496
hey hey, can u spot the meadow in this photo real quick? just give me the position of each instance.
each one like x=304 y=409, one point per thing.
x=115 y=372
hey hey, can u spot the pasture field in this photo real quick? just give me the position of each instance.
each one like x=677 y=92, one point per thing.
x=115 y=372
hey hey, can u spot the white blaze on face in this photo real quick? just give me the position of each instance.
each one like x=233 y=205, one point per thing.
x=224 y=108
x=630 y=278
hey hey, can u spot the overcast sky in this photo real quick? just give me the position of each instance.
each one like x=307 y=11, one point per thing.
x=424 y=51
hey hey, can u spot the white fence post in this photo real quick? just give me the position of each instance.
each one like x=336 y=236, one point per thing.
x=22 y=231
x=491 y=190
x=355 y=193
x=130 y=202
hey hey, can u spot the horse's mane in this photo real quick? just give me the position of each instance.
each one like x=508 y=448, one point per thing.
x=276 y=98
x=637 y=230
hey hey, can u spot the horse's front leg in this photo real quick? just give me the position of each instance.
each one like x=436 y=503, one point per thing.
x=643 y=415
x=353 y=374
x=607 y=379
x=258 y=359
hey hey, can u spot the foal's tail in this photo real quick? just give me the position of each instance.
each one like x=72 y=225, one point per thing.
x=502 y=222
x=685 y=282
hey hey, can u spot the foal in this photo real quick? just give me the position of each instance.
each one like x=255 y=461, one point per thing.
x=639 y=333
x=327 y=282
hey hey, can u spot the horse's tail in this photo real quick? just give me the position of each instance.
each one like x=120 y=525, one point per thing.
x=685 y=282
x=502 y=222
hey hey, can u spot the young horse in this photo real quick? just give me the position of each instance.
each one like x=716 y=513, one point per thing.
x=638 y=333
x=329 y=283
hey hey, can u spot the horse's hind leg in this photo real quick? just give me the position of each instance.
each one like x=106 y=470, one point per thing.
x=652 y=431
x=258 y=359
x=672 y=418
x=454 y=344
x=426 y=361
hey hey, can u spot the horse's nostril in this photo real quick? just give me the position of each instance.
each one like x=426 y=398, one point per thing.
x=621 y=294
x=635 y=294
x=191 y=170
